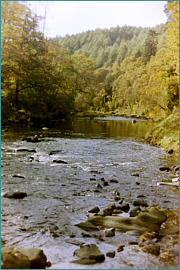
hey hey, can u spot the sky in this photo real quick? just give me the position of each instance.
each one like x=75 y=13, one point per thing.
x=73 y=17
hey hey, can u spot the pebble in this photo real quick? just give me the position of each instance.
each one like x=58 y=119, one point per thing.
x=111 y=253
x=113 y=181
x=120 y=248
x=94 y=210
x=110 y=232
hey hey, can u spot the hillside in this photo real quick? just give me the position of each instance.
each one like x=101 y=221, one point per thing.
x=107 y=47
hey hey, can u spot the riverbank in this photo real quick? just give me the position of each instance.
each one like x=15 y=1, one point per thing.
x=165 y=134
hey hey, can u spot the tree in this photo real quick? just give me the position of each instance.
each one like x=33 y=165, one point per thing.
x=172 y=53
x=150 y=45
x=22 y=49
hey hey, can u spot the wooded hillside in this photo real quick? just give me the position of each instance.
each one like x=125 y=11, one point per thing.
x=123 y=70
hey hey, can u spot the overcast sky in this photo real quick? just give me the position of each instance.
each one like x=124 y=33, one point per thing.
x=72 y=17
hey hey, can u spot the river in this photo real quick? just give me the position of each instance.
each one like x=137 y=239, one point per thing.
x=60 y=194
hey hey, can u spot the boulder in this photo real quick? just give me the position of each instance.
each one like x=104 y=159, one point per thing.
x=111 y=206
x=11 y=259
x=135 y=211
x=124 y=207
x=90 y=252
x=104 y=212
x=19 y=258
x=15 y=195
x=87 y=226
x=149 y=220
x=36 y=257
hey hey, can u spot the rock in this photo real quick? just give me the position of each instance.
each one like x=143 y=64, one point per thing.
x=124 y=207
x=146 y=236
x=149 y=220
x=135 y=211
x=111 y=206
x=54 y=152
x=90 y=252
x=133 y=243
x=87 y=226
x=84 y=261
x=15 y=195
x=104 y=212
x=117 y=211
x=111 y=253
x=138 y=203
x=141 y=196
x=105 y=183
x=153 y=249
x=18 y=258
x=113 y=181
x=117 y=198
x=26 y=150
x=110 y=232
x=94 y=210
x=120 y=248
x=134 y=121
x=135 y=174
x=171 y=229
x=116 y=192
x=85 y=235
x=164 y=169
x=92 y=179
x=102 y=179
x=32 y=139
x=36 y=256
x=18 y=176
x=60 y=161
x=11 y=259
x=137 y=183
x=98 y=186
x=121 y=201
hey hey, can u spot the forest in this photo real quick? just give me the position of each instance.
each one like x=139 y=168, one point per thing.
x=120 y=71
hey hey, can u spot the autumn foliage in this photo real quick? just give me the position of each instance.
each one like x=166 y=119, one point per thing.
x=109 y=71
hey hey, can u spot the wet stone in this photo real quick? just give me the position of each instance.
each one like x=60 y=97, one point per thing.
x=15 y=195
x=153 y=249
x=110 y=232
x=111 y=253
x=90 y=252
x=120 y=248
x=139 y=202
x=113 y=181
x=135 y=174
x=94 y=210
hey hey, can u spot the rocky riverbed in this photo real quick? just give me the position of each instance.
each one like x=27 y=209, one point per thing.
x=90 y=195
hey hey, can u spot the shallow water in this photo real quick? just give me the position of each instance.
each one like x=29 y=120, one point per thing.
x=61 y=194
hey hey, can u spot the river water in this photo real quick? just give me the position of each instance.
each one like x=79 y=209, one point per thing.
x=59 y=195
